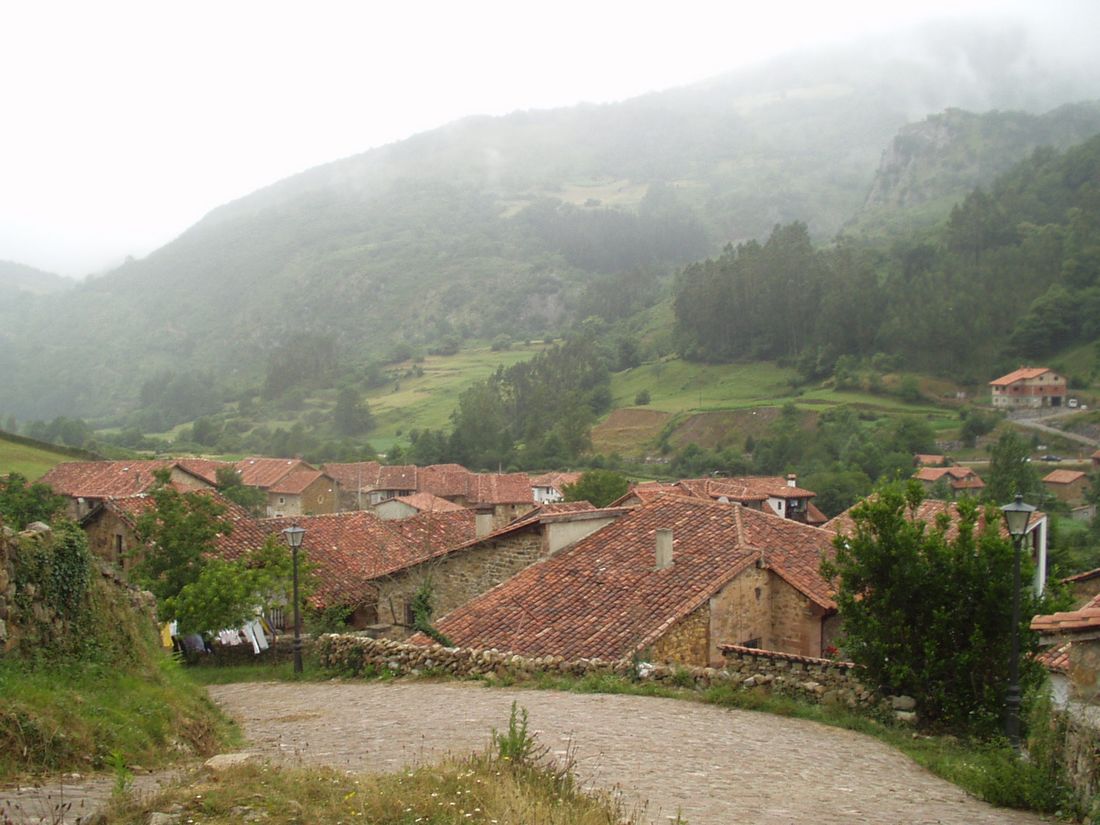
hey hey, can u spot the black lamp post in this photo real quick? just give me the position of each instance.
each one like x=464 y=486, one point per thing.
x=294 y=537
x=1017 y=515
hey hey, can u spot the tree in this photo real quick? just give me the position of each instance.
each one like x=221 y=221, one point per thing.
x=229 y=483
x=598 y=487
x=926 y=608
x=21 y=504
x=229 y=593
x=351 y=415
x=1010 y=471
x=177 y=535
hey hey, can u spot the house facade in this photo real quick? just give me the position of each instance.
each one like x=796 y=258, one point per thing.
x=293 y=487
x=1069 y=486
x=1029 y=387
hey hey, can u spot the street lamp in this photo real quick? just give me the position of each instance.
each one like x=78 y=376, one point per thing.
x=1017 y=515
x=294 y=537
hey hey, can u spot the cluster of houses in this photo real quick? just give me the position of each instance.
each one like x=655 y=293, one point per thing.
x=669 y=571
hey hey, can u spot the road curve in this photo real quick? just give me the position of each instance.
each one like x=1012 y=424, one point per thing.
x=715 y=766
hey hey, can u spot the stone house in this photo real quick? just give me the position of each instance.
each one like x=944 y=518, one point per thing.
x=1069 y=486
x=112 y=536
x=669 y=581
x=293 y=487
x=460 y=573
x=1029 y=387
x=1073 y=659
x=86 y=484
x=930 y=510
x=778 y=494
x=959 y=480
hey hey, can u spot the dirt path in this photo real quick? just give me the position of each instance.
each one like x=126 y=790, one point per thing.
x=716 y=766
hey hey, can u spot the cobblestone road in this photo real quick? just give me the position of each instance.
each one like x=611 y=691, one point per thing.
x=716 y=766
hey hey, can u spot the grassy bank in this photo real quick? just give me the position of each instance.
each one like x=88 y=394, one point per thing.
x=73 y=718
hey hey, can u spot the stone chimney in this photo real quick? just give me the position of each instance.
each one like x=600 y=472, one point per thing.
x=792 y=480
x=483 y=521
x=664 y=548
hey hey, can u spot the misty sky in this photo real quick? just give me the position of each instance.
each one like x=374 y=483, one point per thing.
x=125 y=122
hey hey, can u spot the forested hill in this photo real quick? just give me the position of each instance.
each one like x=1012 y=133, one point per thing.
x=516 y=225
x=1014 y=273
x=16 y=277
x=932 y=165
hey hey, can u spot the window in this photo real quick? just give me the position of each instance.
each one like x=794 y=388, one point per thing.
x=282 y=500
x=119 y=550
x=410 y=616
x=753 y=643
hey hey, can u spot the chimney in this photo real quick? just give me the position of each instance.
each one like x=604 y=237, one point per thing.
x=664 y=548
x=792 y=480
x=483 y=521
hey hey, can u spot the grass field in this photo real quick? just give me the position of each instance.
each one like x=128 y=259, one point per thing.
x=30 y=462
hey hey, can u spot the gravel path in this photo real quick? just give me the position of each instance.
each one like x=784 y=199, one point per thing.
x=715 y=766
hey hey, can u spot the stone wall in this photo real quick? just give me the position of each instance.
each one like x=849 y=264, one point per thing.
x=459 y=576
x=1080 y=755
x=687 y=642
x=813 y=680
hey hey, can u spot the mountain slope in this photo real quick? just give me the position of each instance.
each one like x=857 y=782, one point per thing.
x=493 y=225
x=931 y=165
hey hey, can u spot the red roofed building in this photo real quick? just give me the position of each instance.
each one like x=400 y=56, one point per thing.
x=670 y=581
x=293 y=487
x=959 y=480
x=1029 y=387
x=86 y=484
x=1069 y=486
x=548 y=488
x=406 y=506
x=1074 y=637
x=781 y=495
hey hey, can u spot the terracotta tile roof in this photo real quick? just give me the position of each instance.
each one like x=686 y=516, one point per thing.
x=397 y=477
x=1073 y=621
x=747 y=488
x=349 y=550
x=1055 y=659
x=104 y=479
x=1063 y=476
x=297 y=480
x=360 y=475
x=603 y=597
x=936 y=473
x=1082 y=577
x=555 y=480
x=266 y=472
x=444 y=480
x=204 y=468
x=815 y=516
x=1022 y=374
x=502 y=488
x=928 y=511
x=426 y=502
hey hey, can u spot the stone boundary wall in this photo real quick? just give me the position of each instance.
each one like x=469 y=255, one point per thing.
x=813 y=680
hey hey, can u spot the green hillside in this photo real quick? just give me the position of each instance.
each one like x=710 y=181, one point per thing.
x=32 y=459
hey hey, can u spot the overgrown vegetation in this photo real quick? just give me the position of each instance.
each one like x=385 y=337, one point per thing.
x=86 y=676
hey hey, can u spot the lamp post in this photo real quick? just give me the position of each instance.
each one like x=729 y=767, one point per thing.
x=294 y=535
x=1016 y=515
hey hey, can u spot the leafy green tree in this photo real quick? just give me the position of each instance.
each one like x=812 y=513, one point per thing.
x=229 y=483
x=351 y=415
x=229 y=593
x=927 y=609
x=177 y=535
x=598 y=487
x=22 y=503
x=1010 y=471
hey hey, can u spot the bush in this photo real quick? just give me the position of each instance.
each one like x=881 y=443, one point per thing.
x=642 y=398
